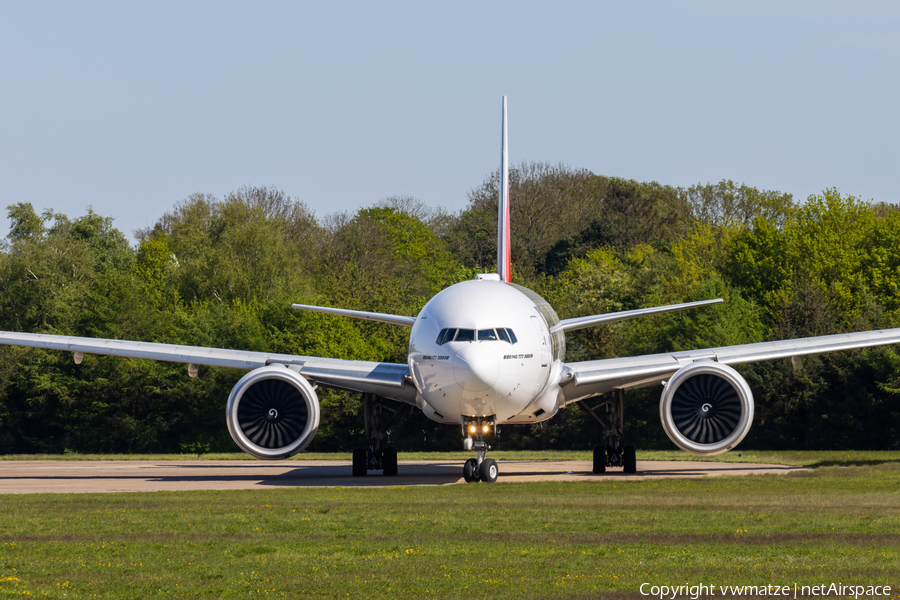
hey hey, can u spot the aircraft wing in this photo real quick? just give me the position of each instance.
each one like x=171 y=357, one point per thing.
x=582 y=322
x=385 y=379
x=589 y=378
x=359 y=314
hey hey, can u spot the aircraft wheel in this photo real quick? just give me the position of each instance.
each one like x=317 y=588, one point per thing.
x=629 y=460
x=599 y=459
x=489 y=470
x=469 y=470
x=359 y=462
x=389 y=462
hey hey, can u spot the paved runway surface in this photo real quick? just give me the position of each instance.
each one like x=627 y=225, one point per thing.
x=40 y=476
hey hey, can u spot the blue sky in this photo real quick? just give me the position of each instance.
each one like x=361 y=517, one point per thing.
x=130 y=107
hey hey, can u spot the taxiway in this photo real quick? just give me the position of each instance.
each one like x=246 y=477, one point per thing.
x=47 y=476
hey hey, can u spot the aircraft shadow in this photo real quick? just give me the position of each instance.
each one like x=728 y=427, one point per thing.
x=342 y=476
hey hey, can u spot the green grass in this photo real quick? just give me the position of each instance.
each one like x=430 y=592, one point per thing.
x=804 y=458
x=831 y=524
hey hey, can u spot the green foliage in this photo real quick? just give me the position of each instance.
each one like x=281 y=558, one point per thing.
x=829 y=240
x=735 y=321
x=760 y=265
x=699 y=254
x=253 y=245
x=598 y=283
x=881 y=264
x=726 y=204
x=824 y=249
x=559 y=213
x=412 y=251
x=154 y=266
x=24 y=224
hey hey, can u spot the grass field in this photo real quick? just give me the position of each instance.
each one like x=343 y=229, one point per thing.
x=837 y=523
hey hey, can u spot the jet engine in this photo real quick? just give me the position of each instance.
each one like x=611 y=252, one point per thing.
x=272 y=412
x=706 y=408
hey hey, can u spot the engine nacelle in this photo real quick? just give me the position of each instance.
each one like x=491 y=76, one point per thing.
x=706 y=408
x=272 y=412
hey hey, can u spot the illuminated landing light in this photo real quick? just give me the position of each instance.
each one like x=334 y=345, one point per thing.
x=486 y=428
x=472 y=429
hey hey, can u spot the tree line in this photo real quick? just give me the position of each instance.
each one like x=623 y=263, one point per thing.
x=224 y=272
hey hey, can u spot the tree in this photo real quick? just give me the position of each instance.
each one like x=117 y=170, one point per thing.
x=726 y=204
x=547 y=203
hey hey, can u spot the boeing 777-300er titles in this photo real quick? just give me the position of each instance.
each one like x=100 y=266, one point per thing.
x=482 y=353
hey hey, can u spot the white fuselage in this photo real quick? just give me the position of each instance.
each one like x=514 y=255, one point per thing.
x=483 y=349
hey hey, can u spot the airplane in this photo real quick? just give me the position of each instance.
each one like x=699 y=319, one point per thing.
x=482 y=353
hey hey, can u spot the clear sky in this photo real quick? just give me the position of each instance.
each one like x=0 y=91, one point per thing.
x=129 y=107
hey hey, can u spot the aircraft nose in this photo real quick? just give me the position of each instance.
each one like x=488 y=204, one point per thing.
x=476 y=367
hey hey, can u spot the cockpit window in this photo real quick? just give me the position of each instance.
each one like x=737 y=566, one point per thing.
x=445 y=336
x=465 y=335
x=469 y=335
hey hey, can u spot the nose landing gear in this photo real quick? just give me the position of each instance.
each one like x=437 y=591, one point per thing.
x=479 y=468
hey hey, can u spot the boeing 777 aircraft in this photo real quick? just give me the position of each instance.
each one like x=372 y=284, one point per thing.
x=482 y=353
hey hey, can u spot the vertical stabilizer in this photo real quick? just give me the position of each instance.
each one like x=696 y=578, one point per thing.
x=503 y=256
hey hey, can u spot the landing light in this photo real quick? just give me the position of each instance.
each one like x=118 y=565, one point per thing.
x=486 y=428
x=472 y=429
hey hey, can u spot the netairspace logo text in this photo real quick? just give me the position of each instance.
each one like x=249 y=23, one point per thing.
x=673 y=592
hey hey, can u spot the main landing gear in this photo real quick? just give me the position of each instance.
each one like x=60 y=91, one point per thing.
x=479 y=468
x=609 y=414
x=378 y=417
